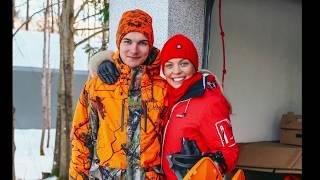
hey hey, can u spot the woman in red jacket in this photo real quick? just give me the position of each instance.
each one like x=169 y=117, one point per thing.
x=198 y=113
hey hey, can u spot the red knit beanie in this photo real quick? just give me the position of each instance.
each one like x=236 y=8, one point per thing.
x=135 y=21
x=179 y=46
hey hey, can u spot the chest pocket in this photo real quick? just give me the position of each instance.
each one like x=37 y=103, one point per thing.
x=112 y=106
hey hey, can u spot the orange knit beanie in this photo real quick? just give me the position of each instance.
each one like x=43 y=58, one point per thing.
x=135 y=21
x=179 y=46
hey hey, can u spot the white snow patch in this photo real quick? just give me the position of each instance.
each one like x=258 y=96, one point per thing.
x=29 y=165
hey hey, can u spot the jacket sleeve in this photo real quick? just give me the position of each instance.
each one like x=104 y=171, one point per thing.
x=80 y=138
x=217 y=132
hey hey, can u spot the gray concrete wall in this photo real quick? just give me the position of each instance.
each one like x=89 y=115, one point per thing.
x=27 y=96
x=263 y=53
x=187 y=17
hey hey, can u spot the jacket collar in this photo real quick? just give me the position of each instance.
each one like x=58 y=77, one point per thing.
x=196 y=90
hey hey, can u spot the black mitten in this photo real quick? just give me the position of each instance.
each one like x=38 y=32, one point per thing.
x=190 y=154
x=151 y=56
x=183 y=161
x=108 y=72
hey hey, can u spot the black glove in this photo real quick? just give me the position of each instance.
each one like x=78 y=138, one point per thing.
x=108 y=72
x=190 y=154
x=153 y=54
x=183 y=161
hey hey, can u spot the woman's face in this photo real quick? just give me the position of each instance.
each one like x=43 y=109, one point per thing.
x=177 y=70
x=134 y=49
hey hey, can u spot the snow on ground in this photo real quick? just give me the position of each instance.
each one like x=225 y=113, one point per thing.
x=29 y=165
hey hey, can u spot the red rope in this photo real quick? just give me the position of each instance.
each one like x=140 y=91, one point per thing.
x=224 y=71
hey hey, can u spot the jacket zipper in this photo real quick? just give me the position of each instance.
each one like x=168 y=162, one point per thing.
x=145 y=115
x=122 y=116
x=165 y=129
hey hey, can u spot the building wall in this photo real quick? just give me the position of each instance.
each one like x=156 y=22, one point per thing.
x=158 y=11
x=27 y=96
x=187 y=17
x=264 y=63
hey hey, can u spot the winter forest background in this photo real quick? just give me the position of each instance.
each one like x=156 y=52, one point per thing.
x=50 y=36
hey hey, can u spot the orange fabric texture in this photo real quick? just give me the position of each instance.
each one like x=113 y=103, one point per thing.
x=135 y=21
x=109 y=101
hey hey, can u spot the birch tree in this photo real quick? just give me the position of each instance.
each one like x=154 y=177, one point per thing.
x=48 y=91
x=44 y=82
x=56 y=152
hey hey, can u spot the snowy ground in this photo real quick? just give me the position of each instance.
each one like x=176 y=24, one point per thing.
x=29 y=165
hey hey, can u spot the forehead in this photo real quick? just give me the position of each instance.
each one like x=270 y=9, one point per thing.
x=177 y=60
x=135 y=36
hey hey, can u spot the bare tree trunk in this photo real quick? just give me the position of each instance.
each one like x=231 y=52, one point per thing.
x=57 y=143
x=56 y=157
x=66 y=31
x=44 y=82
x=13 y=144
x=88 y=32
x=49 y=92
x=27 y=24
x=58 y=8
x=52 y=19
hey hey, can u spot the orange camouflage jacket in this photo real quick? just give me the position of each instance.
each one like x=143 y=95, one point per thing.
x=111 y=104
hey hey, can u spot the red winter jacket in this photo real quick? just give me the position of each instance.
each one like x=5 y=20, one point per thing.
x=202 y=115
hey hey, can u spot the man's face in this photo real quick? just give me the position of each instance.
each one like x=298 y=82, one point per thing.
x=134 y=49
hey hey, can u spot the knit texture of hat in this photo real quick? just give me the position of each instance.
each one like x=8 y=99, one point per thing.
x=179 y=46
x=135 y=21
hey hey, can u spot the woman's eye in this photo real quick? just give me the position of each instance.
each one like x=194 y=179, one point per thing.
x=169 y=66
x=184 y=64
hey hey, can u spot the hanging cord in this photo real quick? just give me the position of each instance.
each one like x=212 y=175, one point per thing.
x=224 y=71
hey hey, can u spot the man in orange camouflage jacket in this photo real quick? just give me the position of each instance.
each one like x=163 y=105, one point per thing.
x=116 y=128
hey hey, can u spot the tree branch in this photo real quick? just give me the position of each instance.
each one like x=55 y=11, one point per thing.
x=92 y=35
x=80 y=9
x=81 y=29
x=29 y=19
x=88 y=17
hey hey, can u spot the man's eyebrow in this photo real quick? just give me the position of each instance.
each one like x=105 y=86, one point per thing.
x=127 y=39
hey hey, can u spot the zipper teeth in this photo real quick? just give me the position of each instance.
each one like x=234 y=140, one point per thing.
x=122 y=116
x=145 y=115
x=165 y=129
